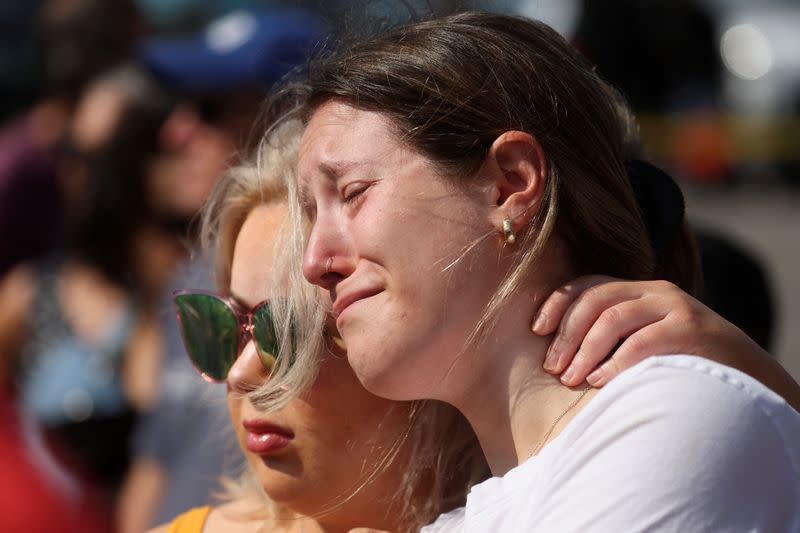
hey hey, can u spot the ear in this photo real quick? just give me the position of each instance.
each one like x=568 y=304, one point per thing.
x=518 y=168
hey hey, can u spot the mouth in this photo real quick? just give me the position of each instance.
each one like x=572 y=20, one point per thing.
x=342 y=302
x=265 y=438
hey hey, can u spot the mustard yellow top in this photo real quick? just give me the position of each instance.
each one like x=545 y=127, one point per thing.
x=191 y=521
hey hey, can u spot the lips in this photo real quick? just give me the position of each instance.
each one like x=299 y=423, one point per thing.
x=344 y=300
x=264 y=438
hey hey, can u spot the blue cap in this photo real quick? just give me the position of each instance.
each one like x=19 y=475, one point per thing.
x=241 y=49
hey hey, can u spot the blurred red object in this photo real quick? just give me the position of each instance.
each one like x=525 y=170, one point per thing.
x=35 y=496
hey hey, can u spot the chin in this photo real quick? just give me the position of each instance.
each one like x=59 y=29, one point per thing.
x=371 y=364
x=386 y=371
x=301 y=494
x=281 y=483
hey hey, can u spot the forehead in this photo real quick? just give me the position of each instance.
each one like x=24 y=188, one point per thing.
x=340 y=137
x=253 y=254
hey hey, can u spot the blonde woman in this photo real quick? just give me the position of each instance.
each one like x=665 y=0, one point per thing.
x=455 y=172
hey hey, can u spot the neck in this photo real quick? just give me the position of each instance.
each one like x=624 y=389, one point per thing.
x=365 y=507
x=517 y=402
x=290 y=522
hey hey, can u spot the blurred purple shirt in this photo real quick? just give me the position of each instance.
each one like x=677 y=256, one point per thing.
x=30 y=200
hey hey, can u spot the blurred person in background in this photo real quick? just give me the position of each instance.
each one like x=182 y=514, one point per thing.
x=70 y=318
x=56 y=46
x=219 y=77
x=74 y=42
x=19 y=79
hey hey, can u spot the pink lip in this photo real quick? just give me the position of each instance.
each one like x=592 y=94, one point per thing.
x=264 y=438
x=342 y=302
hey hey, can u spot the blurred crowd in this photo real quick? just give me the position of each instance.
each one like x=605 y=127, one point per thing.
x=106 y=155
x=117 y=118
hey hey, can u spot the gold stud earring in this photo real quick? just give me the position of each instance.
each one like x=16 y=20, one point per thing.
x=508 y=231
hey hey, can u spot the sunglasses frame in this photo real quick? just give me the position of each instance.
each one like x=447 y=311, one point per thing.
x=244 y=320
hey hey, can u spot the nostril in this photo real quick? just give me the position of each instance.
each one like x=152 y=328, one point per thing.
x=330 y=279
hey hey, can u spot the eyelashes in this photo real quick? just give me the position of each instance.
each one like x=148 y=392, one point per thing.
x=354 y=191
x=351 y=194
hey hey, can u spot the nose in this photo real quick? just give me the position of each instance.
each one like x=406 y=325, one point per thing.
x=329 y=257
x=248 y=371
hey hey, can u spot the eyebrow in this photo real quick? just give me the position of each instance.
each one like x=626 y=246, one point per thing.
x=333 y=170
x=337 y=169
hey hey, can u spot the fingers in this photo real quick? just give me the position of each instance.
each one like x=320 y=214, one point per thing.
x=642 y=344
x=583 y=311
x=613 y=324
x=552 y=311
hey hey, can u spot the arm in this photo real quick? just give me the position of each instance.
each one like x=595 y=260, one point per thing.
x=16 y=298
x=141 y=370
x=140 y=496
x=590 y=317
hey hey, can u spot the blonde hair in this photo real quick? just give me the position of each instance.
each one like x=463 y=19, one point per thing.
x=444 y=456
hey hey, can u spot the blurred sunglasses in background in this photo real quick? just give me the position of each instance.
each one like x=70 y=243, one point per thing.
x=215 y=330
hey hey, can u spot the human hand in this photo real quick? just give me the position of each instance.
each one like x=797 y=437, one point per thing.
x=590 y=316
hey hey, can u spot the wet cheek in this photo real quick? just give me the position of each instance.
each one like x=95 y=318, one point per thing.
x=374 y=225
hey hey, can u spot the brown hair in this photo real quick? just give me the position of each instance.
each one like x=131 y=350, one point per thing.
x=452 y=85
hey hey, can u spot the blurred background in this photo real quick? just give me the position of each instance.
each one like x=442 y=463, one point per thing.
x=116 y=119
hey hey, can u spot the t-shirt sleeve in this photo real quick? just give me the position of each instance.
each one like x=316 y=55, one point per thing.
x=673 y=448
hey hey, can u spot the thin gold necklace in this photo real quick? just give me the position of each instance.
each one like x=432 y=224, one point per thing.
x=572 y=404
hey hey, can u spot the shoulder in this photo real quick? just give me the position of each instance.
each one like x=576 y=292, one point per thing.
x=695 y=393
x=243 y=515
x=192 y=521
x=683 y=404
x=683 y=441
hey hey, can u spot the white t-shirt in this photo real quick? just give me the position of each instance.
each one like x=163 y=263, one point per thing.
x=676 y=443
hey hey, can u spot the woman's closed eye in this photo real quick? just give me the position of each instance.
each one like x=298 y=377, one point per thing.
x=354 y=191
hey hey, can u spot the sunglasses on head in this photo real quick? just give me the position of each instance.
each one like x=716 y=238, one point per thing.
x=215 y=330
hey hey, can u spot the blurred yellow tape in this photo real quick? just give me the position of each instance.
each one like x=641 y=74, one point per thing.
x=732 y=138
